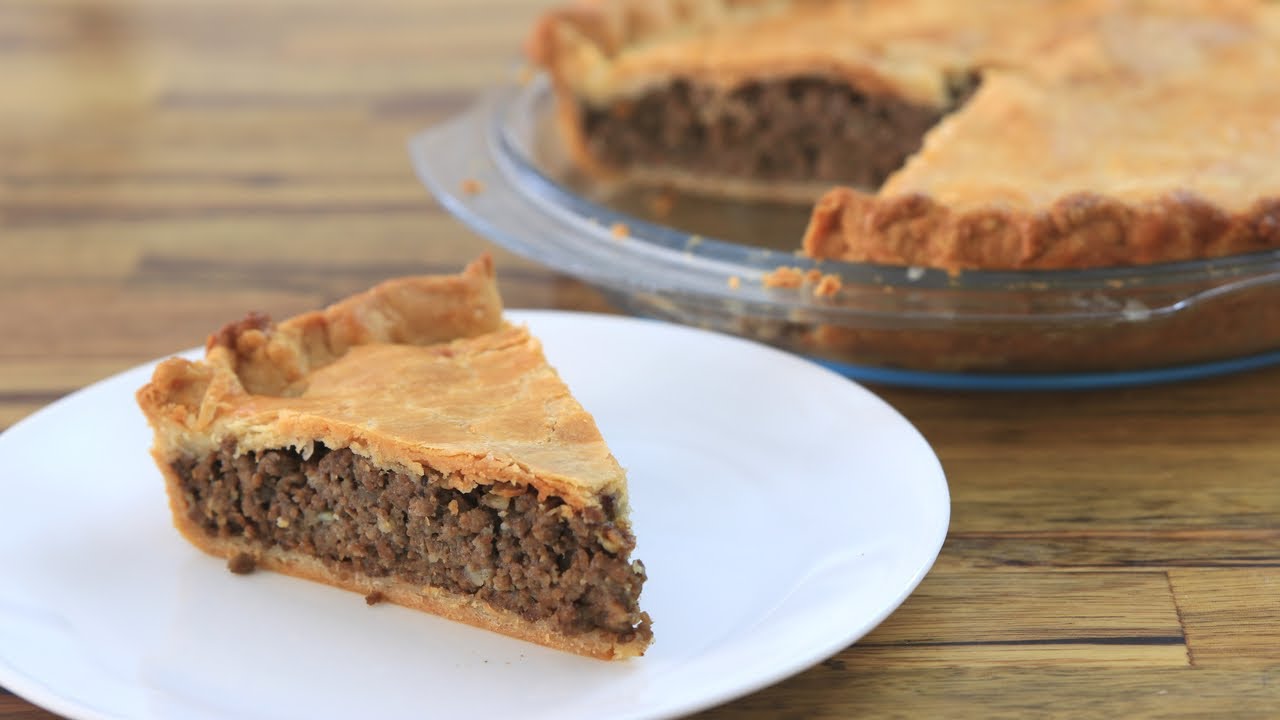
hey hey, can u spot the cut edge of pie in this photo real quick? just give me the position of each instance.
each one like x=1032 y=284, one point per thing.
x=610 y=60
x=606 y=113
x=409 y=445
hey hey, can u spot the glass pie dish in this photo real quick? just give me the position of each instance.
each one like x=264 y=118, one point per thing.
x=501 y=169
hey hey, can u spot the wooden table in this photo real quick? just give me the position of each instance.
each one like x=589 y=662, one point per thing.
x=166 y=165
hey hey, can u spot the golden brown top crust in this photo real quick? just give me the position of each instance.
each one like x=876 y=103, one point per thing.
x=414 y=310
x=1192 y=109
x=1170 y=158
x=605 y=50
x=418 y=373
x=607 y=28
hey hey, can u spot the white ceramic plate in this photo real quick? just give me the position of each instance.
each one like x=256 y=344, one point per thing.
x=782 y=512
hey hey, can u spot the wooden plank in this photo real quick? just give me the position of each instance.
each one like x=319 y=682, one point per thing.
x=27 y=384
x=1178 y=488
x=11 y=411
x=14 y=708
x=1232 y=616
x=149 y=250
x=199 y=200
x=41 y=381
x=961 y=618
x=102 y=320
x=413 y=242
x=98 y=322
x=1141 y=549
x=854 y=684
x=310 y=145
x=1168 y=652
x=60 y=257
x=1167 y=436
x=1109 y=410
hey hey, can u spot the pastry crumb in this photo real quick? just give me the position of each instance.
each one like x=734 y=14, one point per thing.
x=735 y=282
x=619 y=230
x=784 y=277
x=471 y=186
x=790 y=278
x=828 y=286
x=242 y=564
x=374 y=598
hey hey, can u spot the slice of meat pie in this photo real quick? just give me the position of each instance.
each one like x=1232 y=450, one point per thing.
x=407 y=444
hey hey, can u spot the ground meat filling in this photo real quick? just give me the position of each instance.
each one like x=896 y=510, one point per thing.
x=502 y=544
x=798 y=129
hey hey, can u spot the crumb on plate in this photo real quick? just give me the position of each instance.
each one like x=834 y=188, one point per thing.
x=242 y=564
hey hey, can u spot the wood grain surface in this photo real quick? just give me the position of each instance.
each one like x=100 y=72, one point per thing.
x=166 y=165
